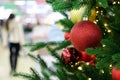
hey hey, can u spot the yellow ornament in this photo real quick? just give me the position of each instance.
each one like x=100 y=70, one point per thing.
x=76 y=15
x=92 y=16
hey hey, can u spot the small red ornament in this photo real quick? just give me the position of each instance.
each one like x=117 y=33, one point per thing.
x=88 y=58
x=115 y=74
x=67 y=36
x=71 y=55
x=85 y=34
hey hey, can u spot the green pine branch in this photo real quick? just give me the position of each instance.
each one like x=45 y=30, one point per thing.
x=67 y=24
x=57 y=45
x=33 y=76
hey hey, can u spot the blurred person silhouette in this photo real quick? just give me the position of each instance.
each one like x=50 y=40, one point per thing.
x=13 y=38
x=1 y=24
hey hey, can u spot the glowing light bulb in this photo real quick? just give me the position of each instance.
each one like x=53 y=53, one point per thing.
x=105 y=24
x=102 y=71
x=104 y=33
x=72 y=66
x=80 y=68
x=76 y=63
x=110 y=65
x=102 y=11
x=97 y=12
x=109 y=31
x=103 y=45
x=114 y=2
x=113 y=14
x=118 y=2
x=87 y=63
x=85 y=18
x=95 y=22
x=97 y=7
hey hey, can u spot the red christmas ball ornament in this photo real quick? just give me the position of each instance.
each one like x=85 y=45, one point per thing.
x=67 y=36
x=85 y=34
x=71 y=55
x=115 y=74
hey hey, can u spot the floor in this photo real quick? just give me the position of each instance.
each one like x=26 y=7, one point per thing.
x=24 y=63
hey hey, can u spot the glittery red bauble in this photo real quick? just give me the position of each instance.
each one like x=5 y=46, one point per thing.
x=71 y=55
x=85 y=34
x=115 y=74
x=67 y=36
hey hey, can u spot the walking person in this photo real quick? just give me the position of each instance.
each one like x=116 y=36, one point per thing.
x=15 y=40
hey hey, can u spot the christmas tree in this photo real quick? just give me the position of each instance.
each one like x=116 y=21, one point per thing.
x=91 y=49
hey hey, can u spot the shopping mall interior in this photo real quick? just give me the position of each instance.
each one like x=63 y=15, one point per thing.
x=29 y=13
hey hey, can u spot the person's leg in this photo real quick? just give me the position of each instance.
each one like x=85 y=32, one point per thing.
x=17 y=48
x=11 y=48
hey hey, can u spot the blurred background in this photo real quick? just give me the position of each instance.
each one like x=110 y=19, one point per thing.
x=29 y=13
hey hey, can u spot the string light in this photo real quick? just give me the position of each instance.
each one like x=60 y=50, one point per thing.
x=118 y=2
x=97 y=7
x=102 y=71
x=114 y=2
x=79 y=68
x=72 y=66
x=97 y=12
x=109 y=31
x=105 y=24
x=113 y=14
x=103 y=45
x=89 y=78
x=85 y=18
x=87 y=63
x=102 y=11
x=76 y=63
x=95 y=22
x=104 y=33
x=110 y=65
